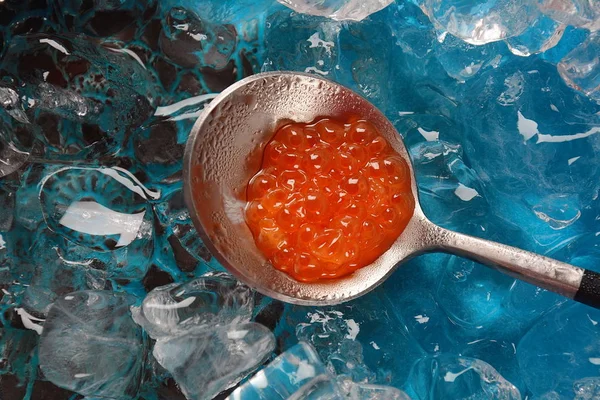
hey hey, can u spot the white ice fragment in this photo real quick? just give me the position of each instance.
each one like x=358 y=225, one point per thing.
x=430 y=136
x=2 y=243
x=475 y=341
x=553 y=108
x=182 y=304
x=465 y=193
x=193 y=115
x=572 y=160
x=513 y=89
x=131 y=53
x=528 y=128
x=451 y=377
x=594 y=360
x=172 y=108
x=431 y=156
x=495 y=62
x=236 y=335
x=305 y=371
x=78 y=376
x=140 y=189
x=422 y=319
x=319 y=317
x=353 y=329
x=260 y=381
x=375 y=346
x=592 y=321
x=316 y=41
x=316 y=70
x=56 y=45
x=471 y=69
x=95 y=219
x=69 y=297
x=402 y=113
x=566 y=138
x=28 y=319
x=199 y=36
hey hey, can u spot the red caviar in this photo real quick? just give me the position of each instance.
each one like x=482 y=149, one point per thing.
x=330 y=198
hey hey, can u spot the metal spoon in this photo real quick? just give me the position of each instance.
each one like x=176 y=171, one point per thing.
x=224 y=151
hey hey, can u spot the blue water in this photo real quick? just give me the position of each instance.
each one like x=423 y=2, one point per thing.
x=97 y=97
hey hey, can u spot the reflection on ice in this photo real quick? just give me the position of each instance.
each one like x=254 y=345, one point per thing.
x=94 y=219
x=340 y=10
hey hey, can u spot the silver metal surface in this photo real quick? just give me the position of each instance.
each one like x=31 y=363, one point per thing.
x=224 y=151
x=538 y=270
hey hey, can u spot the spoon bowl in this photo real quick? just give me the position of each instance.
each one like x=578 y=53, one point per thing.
x=224 y=152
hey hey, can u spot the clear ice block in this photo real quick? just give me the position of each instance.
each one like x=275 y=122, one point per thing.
x=207 y=361
x=561 y=348
x=580 y=69
x=297 y=373
x=93 y=90
x=480 y=22
x=452 y=377
x=90 y=345
x=581 y=13
x=204 y=302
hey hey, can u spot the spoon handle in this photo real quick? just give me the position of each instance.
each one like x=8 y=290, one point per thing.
x=579 y=284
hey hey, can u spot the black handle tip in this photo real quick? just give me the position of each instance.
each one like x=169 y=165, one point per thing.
x=589 y=290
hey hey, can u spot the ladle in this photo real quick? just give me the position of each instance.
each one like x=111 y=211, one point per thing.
x=224 y=151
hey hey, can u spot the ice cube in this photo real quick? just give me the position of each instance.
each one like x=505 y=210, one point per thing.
x=207 y=301
x=158 y=147
x=482 y=22
x=580 y=69
x=184 y=247
x=297 y=373
x=93 y=90
x=425 y=319
x=90 y=345
x=587 y=389
x=363 y=391
x=581 y=13
x=302 y=43
x=54 y=277
x=102 y=211
x=533 y=120
x=358 y=339
x=193 y=43
x=452 y=377
x=543 y=34
x=464 y=60
x=561 y=348
x=340 y=10
x=11 y=158
x=471 y=294
x=206 y=361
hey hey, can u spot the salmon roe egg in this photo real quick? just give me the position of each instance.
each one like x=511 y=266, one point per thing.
x=330 y=198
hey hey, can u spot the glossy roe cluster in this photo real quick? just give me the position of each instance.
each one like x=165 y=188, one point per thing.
x=330 y=198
